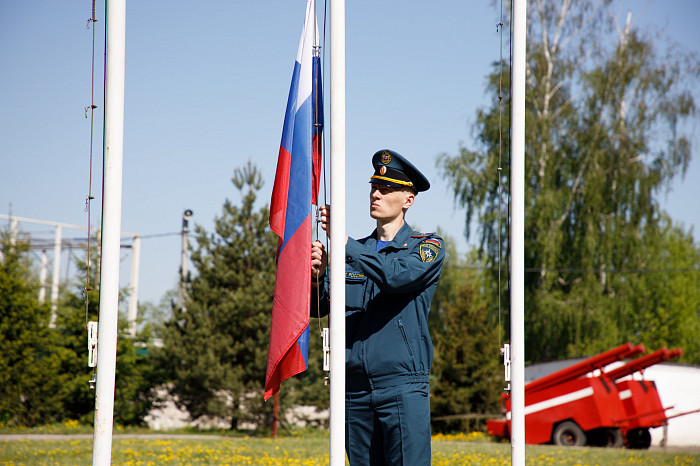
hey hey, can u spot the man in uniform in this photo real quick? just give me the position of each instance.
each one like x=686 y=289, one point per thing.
x=390 y=278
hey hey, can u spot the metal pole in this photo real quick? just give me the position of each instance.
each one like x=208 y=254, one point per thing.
x=42 y=277
x=337 y=250
x=56 y=276
x=111 y=226
x=13 y=232
x=134 y=285
x=517 y=239
x=186 y=216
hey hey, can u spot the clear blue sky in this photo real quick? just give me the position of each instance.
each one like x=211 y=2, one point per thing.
x=206 y=89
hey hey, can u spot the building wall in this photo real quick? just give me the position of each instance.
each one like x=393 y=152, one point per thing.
x=678 y=386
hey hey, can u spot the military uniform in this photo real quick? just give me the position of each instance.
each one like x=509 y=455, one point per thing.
x=388 y=347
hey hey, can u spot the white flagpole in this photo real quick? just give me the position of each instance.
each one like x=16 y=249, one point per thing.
x=111 y=227
x=337 y=250
x=517 y=239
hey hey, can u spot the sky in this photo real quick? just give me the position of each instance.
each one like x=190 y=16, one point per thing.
x=205 y=92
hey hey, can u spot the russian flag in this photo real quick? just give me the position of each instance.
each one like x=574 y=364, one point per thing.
x=290 y=215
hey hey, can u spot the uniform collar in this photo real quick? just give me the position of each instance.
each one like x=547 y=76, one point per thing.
x=400 y=240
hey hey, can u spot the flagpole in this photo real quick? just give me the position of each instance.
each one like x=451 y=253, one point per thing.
x=337 y=250
x=111 y=228
x=517 y=280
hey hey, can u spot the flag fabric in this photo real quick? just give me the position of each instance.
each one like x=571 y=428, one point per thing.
x=291 y=218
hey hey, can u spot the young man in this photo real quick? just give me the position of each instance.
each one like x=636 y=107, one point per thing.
x=390 y=278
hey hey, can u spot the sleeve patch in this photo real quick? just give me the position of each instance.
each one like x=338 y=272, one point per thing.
x=434 y=241
x=428 y=251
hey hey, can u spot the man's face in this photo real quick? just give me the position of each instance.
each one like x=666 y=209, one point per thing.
x=387 y=203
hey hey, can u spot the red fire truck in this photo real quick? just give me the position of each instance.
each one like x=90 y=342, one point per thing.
x=585 y=405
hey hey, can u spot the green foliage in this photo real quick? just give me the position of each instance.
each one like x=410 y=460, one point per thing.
x=604 y=138
x=43 y=372
x=467 y=373
x=29 y=365
x=137 y=373
x=216 y=348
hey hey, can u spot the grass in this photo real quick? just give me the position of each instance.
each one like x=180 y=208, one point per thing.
x=310 y=448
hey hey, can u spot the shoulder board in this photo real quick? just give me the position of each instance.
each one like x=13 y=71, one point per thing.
x=423 y=235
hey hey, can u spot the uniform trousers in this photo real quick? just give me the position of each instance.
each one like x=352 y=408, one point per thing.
x=388 y=426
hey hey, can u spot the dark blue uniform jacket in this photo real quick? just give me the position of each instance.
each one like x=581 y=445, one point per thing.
x=387 y=296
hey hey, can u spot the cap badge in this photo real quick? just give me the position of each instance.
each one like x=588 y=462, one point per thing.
x=382 y=170
x=386 y=157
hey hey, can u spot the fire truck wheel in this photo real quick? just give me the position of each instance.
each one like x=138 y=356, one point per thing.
x=569 y=434
x=605 y=437
x=639 y=439
x=615 y=438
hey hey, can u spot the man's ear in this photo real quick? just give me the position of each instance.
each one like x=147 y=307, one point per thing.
x=410 y=199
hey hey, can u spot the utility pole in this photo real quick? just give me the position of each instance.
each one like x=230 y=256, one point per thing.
x=42 y=277
x=58 y=248
x=132 y=313
x=186 y=216
x=56 y=275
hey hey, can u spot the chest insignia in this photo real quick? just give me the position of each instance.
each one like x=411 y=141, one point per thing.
x=354 y=276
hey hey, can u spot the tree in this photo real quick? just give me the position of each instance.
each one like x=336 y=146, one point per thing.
x=216 y=349
x=29 y=364
x=604 y=138
x=467 y=373
x=137 y=372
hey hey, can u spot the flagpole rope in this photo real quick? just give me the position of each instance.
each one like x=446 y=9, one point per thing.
x=499 y=170
x=90 y=197
x=322 y=143
x=503 y=349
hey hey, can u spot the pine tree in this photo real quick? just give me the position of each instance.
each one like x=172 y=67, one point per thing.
x=216 y=349
x=29 y=363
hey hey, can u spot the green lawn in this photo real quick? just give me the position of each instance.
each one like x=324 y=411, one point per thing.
x=307 y=450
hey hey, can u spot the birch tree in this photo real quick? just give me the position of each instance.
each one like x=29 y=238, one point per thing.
x=607 y=105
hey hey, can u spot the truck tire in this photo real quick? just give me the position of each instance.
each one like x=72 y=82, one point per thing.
x=639 y=439
x=568 y=434
x=615 y=438
x=609 y=437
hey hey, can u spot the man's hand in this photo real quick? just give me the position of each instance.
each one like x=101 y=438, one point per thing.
x=319 y=261
x=324 y=216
